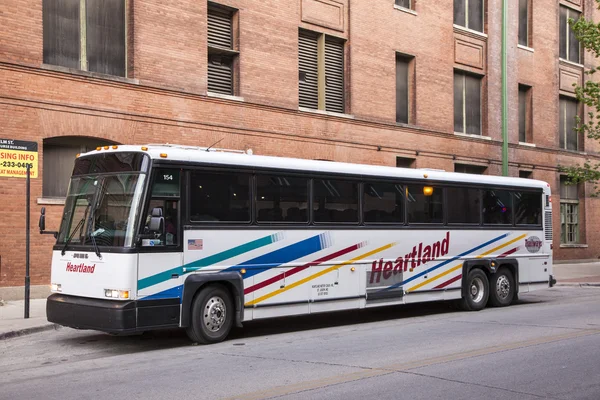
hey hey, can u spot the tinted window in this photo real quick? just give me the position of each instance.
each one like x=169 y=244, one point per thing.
x=424 y=204
x=497 y=208
x=383 y=202
x=166 y=183
x=528 y=208
x=110 y=162
x=219 y=197
x=335 y=201
x=281 y=198
x=463 y=206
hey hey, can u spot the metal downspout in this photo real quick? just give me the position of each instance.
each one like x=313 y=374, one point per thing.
x=504 y=91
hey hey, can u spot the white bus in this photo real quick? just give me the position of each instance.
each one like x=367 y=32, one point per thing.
x=163 y=236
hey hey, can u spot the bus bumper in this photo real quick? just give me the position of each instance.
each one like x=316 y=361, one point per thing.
x=97 y=314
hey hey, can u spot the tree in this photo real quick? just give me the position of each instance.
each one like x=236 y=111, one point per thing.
x=588 y=34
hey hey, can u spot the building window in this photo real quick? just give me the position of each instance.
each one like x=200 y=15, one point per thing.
x=469 y=169
x=525 y=115
x=88 y=35
x=467 y=103
x=59 y=155
x=321 y=72
x=525 y=23
x=222 y=56
x=405 y=162
x=404 y=66
x=469 y=13
x=569 y=45
x=568 y=124
x=525 y=174
x=569 y=212
x=404 y=4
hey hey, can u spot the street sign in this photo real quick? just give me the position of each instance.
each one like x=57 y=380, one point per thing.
x=15 y=156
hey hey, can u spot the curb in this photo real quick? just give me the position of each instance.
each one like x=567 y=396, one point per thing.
x=575 y=284
x=28 y=331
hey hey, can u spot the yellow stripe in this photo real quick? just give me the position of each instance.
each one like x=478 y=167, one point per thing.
x=501 y=246
x=434 y=278
x=458 y=266
x=318 y=274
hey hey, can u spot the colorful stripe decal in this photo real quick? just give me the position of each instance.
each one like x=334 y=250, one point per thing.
x=448 y=282
x=420 y=274
x=412 y=289
x=501 y=246
x=295 y=270
x=460 y=265
x=318 y=274
x=205 y=262
x=283 y=255
x=508 y=252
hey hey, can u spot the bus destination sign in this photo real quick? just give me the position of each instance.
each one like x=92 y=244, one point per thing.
x=15 y=155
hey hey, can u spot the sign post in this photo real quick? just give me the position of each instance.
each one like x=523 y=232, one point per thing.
x=19 y=159
x=27 y=223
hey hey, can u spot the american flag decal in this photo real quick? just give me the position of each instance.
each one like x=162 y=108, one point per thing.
x=194 y=244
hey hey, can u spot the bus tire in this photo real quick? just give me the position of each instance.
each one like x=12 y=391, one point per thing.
x=212 y=315
x=477 y=291
x=502 y=288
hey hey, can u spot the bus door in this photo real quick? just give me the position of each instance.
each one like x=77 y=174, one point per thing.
x=161 y=256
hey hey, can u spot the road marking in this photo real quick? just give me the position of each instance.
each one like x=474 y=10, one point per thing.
x=403 y=367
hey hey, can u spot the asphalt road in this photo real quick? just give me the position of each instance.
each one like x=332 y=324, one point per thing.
x=546 y=346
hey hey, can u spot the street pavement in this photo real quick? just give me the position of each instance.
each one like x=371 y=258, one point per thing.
x=546 y=346
x=13 y=323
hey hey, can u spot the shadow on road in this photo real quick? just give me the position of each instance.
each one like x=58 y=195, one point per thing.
x=173 y=338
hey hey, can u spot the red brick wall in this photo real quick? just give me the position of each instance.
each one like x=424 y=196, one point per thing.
x=166 y=100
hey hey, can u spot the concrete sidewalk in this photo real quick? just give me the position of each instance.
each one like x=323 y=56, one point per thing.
x=581 y=274
x=13 y=324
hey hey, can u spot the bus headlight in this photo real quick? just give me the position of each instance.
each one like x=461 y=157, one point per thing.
x=116 y=294
x=56 y=287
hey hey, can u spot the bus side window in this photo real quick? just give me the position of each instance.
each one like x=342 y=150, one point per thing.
x=165 y=196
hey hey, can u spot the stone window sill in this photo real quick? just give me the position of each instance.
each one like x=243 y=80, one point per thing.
x=574 y=246
x=468 y=135
x=89 y=74
x=51 y=201
x=406 y=10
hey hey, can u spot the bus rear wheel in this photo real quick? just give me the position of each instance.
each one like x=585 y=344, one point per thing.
x=477 y=291
x=502 y=288
x=211 y=315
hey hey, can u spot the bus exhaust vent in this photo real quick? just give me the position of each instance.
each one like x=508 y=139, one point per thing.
x=548 y=223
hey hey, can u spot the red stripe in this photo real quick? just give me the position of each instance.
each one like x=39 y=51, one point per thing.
x=442 y=285
x=508 y=252
x=301 y=268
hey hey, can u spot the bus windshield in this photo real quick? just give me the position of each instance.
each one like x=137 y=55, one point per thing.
x=101 y=208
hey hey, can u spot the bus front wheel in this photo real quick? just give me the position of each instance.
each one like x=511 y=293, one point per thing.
x=211 y=315
x=477 y=291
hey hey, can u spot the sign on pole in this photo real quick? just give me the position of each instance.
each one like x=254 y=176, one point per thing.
x=15 y=156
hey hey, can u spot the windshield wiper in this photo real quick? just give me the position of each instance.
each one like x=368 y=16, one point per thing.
x=79 y=224
x=96 y=249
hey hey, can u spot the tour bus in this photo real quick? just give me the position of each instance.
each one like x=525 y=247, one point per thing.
x=164 y=236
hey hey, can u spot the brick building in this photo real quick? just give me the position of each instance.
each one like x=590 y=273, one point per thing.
x=392 y=82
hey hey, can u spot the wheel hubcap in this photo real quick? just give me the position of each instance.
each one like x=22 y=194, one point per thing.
x=215 y=313
x=503 y=287
x=477 y=290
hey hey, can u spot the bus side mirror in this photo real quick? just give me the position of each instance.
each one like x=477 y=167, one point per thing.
x=42 y=223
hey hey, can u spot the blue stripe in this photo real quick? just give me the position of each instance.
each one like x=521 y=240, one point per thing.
x=445 y=262
x=281 y=256
x=172 y=293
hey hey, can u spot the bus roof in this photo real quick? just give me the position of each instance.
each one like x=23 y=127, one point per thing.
x=194 y=154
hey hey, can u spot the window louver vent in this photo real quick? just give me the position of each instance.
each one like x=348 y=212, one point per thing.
x=548 y=224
